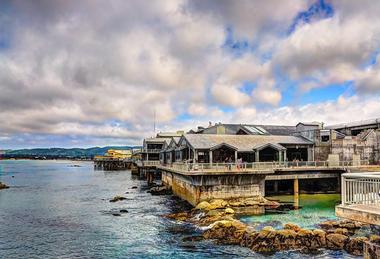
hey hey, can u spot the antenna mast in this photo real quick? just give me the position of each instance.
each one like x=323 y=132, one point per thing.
x=154 y=121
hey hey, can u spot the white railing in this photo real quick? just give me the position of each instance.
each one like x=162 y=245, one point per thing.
x=360 y=188
x=188 y=166
x=156 y=150
x=150 y=163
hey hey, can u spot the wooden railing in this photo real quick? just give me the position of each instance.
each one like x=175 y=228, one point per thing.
x=360 y=188
x=188 y=166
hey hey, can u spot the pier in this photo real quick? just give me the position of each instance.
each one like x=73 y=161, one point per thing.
x=107 y=163
x=196 y=182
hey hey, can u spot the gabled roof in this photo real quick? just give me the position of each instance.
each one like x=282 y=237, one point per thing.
x=272 y=145
x=242 y=142
x=173 y=143
x=158 y=140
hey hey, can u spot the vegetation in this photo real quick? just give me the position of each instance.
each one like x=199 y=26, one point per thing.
x=62 y=153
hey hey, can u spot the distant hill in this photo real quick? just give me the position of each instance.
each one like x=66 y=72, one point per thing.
x=68 y=153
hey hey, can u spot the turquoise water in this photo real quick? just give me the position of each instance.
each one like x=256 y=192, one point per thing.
x=315 y=208
x=56 y=210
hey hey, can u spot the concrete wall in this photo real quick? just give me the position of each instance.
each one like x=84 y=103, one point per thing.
x=197 y=188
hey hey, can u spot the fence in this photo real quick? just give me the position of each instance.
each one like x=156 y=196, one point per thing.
x=188 y=166
x=360 y=188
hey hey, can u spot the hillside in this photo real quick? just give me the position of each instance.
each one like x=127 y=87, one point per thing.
x=78 y=153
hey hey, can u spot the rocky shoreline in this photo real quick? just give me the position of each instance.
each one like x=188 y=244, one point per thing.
x=218 y=219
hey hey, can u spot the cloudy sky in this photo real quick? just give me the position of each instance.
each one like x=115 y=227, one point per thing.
x=93 y=72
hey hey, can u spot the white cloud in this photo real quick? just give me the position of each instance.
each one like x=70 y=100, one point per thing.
x=69 y=68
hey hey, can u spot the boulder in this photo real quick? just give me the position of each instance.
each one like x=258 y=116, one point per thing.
x=160 y=190
x=285 y=239
x=320 y=237
x=192 y=239
x=123 y=211
x=204 y=205
x=292 y=226
x=226 y=232
x=117 y=198
x=342 y=231
x=336 y=241
x=229 y=211
x=218 y=204
x=3 y=186
x=355 y=246
x=375 y=239
x=214 y=213
x=181 y=216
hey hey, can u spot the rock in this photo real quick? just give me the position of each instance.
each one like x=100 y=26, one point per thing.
x=355 y=245
x=351 y=226
x=182 y=216
x=207 y=220
x=123 y=211
x=160 y=190
x=3 y=186
x=214 y=213
x=116 y=214
x=229 y=211
x=134 y=187
x=336 y=241
x=285 y=239
x=320 y=237
x=226 y=232
x=342 y=231
x=292 y=226
x=375 y=239
x=117 y=198
x=217 y=204
x=328 y=224
x=192 y=239
x=204 y=205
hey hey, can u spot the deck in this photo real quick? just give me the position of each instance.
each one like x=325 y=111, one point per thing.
x=360 y=197
x=275 y=170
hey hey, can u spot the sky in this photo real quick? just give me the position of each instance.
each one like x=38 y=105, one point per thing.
x=95 y=73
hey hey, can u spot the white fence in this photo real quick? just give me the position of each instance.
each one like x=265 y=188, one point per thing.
x=360 y=188
x=188 y=166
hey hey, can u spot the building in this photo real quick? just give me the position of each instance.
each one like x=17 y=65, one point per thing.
x=119 y=154
x=220 y=148
x=355 y=128
x=306 y=141
x=153 y=146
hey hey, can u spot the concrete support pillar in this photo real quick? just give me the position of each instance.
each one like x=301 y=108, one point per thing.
x=236 y=156
x=147 y=156
x=309 y=154
x=285 y=157
x=195 y=156
x=257 y=156
x=296 y=193
x=275 y=187
x=210 y=156
x=280 y=156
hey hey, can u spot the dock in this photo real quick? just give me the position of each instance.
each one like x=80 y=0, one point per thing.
x=360 y=197
x=196 y=182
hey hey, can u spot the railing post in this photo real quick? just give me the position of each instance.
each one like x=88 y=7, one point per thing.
x=343 y=187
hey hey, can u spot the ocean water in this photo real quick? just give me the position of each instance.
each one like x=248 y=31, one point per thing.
x=315 y=208
x=61 y=209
